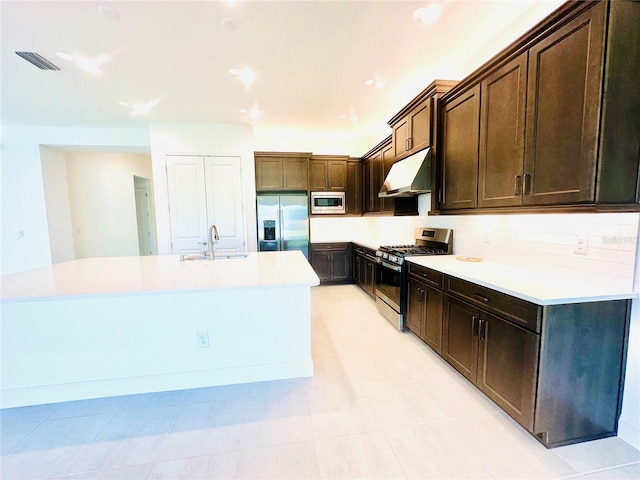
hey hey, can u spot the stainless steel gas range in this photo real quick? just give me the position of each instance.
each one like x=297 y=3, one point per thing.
x=391 y=296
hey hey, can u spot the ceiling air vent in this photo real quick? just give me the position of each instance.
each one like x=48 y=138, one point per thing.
x=37 y=60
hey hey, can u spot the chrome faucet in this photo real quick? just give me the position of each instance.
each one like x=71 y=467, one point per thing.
x=213 y=237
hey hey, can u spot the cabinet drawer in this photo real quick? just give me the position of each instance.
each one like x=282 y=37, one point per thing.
x=518 y=311
x=324 y=247
x=427 y=275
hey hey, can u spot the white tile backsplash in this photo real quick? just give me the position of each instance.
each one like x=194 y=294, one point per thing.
x=540 y=242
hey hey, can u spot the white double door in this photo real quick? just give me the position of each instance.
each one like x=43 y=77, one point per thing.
x=205 y=191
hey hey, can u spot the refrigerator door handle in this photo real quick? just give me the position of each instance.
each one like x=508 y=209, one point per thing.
x=279 y=229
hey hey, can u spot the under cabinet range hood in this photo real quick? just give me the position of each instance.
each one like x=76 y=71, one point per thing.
x=409 y=176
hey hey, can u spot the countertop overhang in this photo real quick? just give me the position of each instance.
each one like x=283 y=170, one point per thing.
x=93 y=277
x=536 y=287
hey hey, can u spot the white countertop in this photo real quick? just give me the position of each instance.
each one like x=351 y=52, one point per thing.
x=539 y=288
x=156 y=274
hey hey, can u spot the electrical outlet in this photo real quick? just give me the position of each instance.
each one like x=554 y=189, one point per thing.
x=581 y=244
x=203 y=339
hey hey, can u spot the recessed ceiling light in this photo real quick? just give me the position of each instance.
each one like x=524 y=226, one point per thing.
x=246 y=75
x=254 y=114
x=64 y=56
x=144 y=108
x=429 y=14
x=123 y=103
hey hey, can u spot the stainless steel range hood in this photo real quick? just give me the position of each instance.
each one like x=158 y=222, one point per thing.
x=409 y=176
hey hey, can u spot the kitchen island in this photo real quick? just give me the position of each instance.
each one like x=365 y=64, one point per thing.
x=101 y=327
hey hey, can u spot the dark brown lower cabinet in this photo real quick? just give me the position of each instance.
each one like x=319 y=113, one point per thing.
x=558 y=370
x=507 y=367
x=331 y=262
x=364 y=269
x=424 y=313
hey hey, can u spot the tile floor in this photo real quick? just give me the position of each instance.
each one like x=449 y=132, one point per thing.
x=380 y=405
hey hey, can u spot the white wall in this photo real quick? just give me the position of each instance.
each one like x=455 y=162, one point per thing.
x=56 y=191
x=542 y=242
x=201 y=139
x=22 y=190
x=102 y=200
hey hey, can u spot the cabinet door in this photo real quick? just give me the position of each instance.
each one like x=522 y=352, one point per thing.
x=339 y=266
x=508 y=367
x=268 y=174
x=354 y=188
x=400 y=136
x=317 y=175
x=414 y=318
x=432 y=324
x=563 y=110
x=321 y=263
x=460 y=336
x=337 y=175
x=361 y=273
x=502 y=122
x=420 y=126
x=460 y=119
x=294 y=173
x=372 y=183
x=388 y=159
x=370 y=282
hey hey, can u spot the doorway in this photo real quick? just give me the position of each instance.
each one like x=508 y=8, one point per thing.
x=146 y=240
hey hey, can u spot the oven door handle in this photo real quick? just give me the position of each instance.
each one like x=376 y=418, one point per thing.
x=395 y=268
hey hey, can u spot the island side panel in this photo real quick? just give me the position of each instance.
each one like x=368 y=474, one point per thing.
x=72 y=349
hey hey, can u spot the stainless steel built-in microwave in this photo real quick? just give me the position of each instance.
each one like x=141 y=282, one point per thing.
x=327 y=203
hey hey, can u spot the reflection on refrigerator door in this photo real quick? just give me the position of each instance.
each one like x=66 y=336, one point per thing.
x=283 y=223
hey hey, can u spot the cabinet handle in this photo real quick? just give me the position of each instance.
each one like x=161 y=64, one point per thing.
x=475 y=326
x=423 y=295
x=516 y=188
x=484 y=299
x=410 y=142
x=483 y=328
x=441 y=195
x=525 y=184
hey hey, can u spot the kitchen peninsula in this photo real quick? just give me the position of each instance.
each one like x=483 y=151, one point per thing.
x=114 y=326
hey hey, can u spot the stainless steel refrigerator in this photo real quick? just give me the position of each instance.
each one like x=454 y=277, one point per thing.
x=283 y=223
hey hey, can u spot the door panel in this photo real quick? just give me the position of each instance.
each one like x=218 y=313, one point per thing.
x=432 y=329
x=459 y=345
x=415 y=306
x=507 y=367
x=460 y=123
x=502 y=124
x=188 y=204
x=224 y=202
x=563 y=107
x=420 y=121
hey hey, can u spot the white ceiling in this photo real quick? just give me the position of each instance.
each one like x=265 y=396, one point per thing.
x=312 y=59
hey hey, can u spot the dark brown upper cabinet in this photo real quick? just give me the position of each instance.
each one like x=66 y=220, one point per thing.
x=372 y=183
x=328 y=173
x=502 y=127
x=563 y=112
x=353 y=193
x=413 y=132
x=413 y=128
x=459 y=150
x=558 y=118
x=281 y=171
